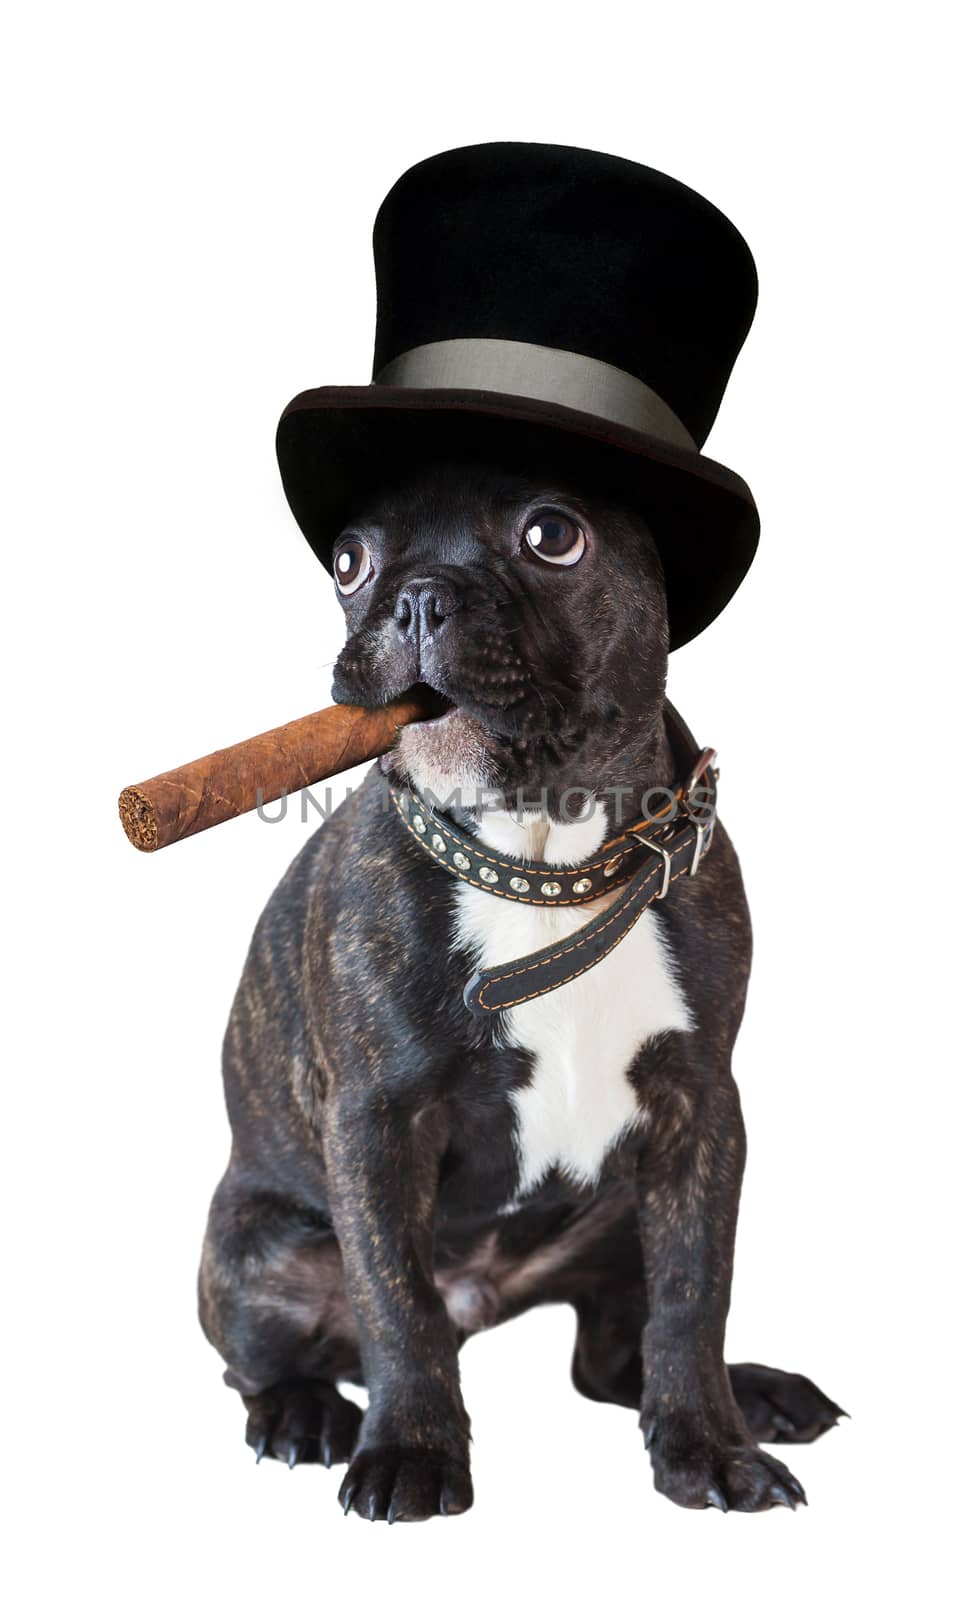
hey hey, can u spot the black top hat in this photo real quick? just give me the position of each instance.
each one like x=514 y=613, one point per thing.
x=554 y=293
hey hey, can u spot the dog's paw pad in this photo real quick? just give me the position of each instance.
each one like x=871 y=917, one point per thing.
x=782 y=1406
x=296 y=1422
x=405 y=1485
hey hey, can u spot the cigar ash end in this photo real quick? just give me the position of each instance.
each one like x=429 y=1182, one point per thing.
x=138 y=819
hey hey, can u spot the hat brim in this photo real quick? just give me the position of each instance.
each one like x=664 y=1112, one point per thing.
x=336 y=446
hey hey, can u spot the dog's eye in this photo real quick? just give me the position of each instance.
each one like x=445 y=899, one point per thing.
x=353 y=565
x=555 y=538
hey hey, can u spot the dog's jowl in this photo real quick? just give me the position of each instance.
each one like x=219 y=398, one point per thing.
x=480 y=1057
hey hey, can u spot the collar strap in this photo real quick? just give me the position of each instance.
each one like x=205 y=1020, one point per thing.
x=644 y=861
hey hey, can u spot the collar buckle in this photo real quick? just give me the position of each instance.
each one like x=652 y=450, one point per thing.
x=703 y=824
x=659 y=850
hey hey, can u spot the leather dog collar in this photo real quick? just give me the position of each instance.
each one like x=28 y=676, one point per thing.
x=644 y=861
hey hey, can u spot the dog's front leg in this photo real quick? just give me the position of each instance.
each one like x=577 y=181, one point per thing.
x=412 y=1458
x=688 y=1186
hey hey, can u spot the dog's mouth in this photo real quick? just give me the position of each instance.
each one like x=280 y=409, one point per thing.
x=442 y=716
x=435 y=705
x=447 y=746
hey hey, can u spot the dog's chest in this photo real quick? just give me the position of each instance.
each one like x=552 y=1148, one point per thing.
x=585 y=1035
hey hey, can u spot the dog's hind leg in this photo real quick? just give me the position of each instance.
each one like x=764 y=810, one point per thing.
x=607 y=1363
x=272 y=1302
x=782 y=1407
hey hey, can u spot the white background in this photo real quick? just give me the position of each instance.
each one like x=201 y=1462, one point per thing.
x=188 y=200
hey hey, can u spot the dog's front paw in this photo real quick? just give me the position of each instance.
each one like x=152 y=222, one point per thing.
x=693 y=1470
x=398 y=1484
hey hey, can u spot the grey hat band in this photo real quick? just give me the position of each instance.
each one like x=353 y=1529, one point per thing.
x=538 y=372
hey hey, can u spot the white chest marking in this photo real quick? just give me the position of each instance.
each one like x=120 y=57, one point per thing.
x=584 y=1035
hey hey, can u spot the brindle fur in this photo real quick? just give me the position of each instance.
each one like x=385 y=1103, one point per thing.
x=358 y=1232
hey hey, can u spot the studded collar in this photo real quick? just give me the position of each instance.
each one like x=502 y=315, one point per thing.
x=643 y=861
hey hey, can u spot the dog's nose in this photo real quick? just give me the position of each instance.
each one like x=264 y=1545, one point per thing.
x=424 y=605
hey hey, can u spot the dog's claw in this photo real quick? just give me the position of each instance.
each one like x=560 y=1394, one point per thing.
x=349 y=1497
x=715 y=1497
x=798 y=1490
x=327 y=1451
x=293 y=1457
x=783 y=1424
x=373 y=1506
x=648 y=1435
x=780 y=1494
x=260 y=1448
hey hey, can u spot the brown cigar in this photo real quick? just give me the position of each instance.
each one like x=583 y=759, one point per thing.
x=233 y=781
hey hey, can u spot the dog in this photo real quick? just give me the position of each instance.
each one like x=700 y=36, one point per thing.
x=406 y=1171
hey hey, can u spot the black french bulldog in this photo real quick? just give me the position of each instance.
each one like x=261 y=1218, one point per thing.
x=404 y=1171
